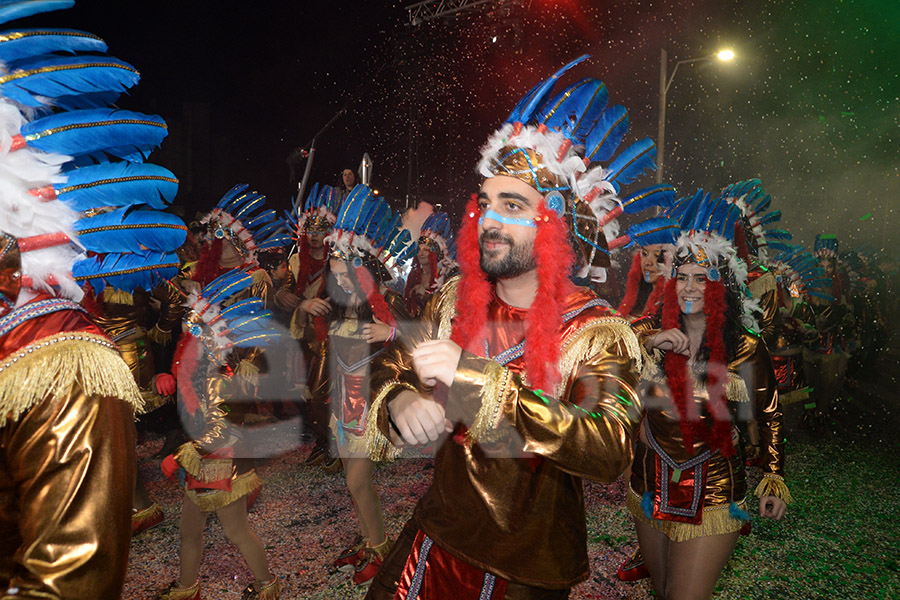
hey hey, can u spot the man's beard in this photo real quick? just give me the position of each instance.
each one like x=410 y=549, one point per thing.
x=517 y=261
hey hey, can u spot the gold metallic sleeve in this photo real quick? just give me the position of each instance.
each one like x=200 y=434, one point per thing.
x=392 y=372
x=171 y=310
x=69 y=462
x=215 y=429
x=588 y=431
x=770 y=419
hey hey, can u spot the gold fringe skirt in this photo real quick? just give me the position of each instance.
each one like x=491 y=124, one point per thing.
x=717 y=520
x=213 y=500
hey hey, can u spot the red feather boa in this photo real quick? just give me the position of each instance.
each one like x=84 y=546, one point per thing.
x=304 y=266
x=554 y=259
x=474 y=292
x=379 y=306
x=635 y=276
x=631 y=286
x=717 y=367
x=90 y=302
x=184 y=365
x=208 y=265
x=680 y=386
x=651 y=307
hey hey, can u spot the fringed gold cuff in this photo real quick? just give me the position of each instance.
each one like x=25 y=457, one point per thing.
x=159 y=336
x=114 y=296
x=52 y=365
x=210 y=501
x=493 y=395
x=773 y=485
x=187 y=456
x=248 y=371
x=716 y=520
x=378 y=445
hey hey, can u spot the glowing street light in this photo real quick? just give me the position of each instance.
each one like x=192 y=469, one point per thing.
x=724 y=55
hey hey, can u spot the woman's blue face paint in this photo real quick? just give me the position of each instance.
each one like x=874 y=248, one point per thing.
x=688 y=307
x=646 y=277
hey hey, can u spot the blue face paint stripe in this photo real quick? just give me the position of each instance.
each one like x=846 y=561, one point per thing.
x=489 y=214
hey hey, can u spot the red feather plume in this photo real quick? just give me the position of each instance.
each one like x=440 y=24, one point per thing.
x=474 y=291
x=675 y=365
x=631 y=286
x=184 y=364
x=717 y=368
x=208 y=265
x=554 y=257
x=379 y=306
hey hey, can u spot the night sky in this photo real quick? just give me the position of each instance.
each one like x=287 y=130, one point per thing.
x=810 y=105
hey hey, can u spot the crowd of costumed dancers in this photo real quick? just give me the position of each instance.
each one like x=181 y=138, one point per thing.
x=571 y=327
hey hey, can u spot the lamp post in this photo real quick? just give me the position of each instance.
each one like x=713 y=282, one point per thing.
x=664 y=83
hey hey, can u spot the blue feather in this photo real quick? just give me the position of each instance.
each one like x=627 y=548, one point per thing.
x=575 y=110
x=257 y=322
x=255 y=339
x=276 y=241
x=126 y=230
x=25 y=43
x=261 y=218
x=632 y=162
x=231 y=194
x=118 y=184
x=229 y=288
x=647 y=504
x=536 y=97
x=222 y=281
x=658 y=230
x=85 y=131
x=778 y=234
x=244 y=307
x=607 y=134
x=737 y=513
x=65 y=76
x=248 y=203
x=10 y=10
x=662 y=195
x=770 y=218
x=85 y=101
x=126 y=272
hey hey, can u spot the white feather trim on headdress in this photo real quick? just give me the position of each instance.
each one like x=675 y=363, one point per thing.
x=722 y=253
x=24 y=215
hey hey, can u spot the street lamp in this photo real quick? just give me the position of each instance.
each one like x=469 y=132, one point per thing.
x=664 y=83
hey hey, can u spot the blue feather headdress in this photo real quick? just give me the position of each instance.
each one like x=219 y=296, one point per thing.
x=799 y=272
x=826 y=245
x=320 y=211
x=756 y=219
x=437 y=233
x=566 y=143
x=368 y=232
x=240 y=217
x=707 y=238
x=79 y=163
x=222 y=323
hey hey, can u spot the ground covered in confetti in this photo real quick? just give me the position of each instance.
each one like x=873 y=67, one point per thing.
x=838 y=540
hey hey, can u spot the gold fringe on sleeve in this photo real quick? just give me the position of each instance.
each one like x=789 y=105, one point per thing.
x=736 y=389
x=159 y=336
x=248 y=371
x=52 y=365
x=493 y=395
x=378 y=446
x=188 y=457
x=114 y=296
x=591 y=339
x=773 y=485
